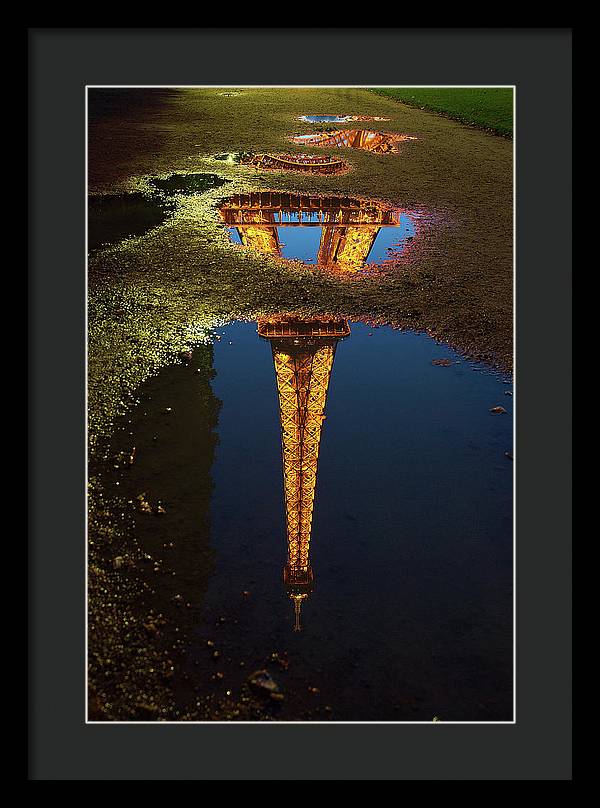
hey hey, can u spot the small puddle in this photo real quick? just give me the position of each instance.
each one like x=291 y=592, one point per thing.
x=300 y=163
x=337 y=233
x=339 y=118
x=114 y=217
x=364 y=139
x=187 y=184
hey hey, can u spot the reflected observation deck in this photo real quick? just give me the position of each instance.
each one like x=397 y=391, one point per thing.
x=303 y=354
x=364 y=139
x=349 y=226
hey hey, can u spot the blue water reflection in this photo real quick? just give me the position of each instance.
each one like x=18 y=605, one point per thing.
x=411 y=614
x=301 y=243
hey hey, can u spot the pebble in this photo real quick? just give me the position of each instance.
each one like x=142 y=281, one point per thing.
x=262 y=682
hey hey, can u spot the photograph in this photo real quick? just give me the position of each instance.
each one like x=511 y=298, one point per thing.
x=300 y=401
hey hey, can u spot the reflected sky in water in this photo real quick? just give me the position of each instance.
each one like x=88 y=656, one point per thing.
x=407 y=611
x=325 y=118
x=340 y=118
x=410 y=615
x=302 y=243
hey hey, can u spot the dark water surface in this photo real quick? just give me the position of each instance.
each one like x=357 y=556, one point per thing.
x=410 y=616
x=114 y=217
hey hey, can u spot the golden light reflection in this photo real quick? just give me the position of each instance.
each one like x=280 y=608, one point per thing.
x=349 y=226
x=303 y=353
x=301 y=163
x=377 y=142
x=340 y=118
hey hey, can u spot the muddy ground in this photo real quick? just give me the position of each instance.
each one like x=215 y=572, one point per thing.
x=151 y=298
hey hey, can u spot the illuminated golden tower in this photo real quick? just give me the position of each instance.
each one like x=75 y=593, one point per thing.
x=303 y=353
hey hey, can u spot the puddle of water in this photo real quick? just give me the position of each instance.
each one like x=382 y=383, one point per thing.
x=339 y=118
x=187 y=184
x=371 y=547
x=114 y=217
x=364 y=139
x=335 y=233
x=300 y=163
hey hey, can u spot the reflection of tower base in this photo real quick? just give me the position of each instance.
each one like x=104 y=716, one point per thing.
x=299 y=584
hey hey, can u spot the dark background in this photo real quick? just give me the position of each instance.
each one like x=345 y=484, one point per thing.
x=62 y=62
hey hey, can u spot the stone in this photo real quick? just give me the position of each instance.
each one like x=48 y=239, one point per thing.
x=262 y=682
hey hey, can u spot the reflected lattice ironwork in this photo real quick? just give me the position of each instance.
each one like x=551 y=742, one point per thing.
x=303 y=353
x=349 y=226
x=302 y=163
x=364 y=139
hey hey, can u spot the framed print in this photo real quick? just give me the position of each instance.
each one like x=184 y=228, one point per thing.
x=302 y=400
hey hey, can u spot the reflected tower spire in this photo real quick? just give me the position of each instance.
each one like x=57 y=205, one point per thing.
x=303 y=353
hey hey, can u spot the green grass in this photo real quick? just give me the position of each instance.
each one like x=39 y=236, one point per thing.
x=489 y=108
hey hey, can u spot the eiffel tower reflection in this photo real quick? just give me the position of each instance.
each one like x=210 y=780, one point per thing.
x=303 y=353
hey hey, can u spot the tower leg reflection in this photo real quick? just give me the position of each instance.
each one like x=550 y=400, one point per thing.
x=303 y=354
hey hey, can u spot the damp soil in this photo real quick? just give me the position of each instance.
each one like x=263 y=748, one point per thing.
x=187 y=183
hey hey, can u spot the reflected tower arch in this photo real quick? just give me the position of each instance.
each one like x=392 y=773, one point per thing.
x=363 y=139
x=349 y=226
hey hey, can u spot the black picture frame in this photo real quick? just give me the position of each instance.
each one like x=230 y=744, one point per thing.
x=61 y=63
